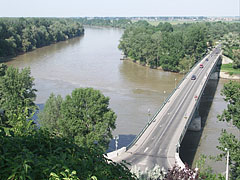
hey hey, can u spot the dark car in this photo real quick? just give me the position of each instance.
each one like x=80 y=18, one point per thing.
x=193 y=77
x=206 y=59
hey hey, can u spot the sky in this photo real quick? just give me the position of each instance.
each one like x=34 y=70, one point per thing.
x=118 y=8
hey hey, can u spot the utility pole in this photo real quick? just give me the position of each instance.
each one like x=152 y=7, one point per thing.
x=227 y=163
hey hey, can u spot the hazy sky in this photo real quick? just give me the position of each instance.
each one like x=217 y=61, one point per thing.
x=76 y=8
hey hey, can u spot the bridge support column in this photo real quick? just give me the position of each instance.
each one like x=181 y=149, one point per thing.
x=195 y=124
x=214 y=75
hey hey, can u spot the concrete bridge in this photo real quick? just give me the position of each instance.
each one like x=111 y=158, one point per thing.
x=158 y=143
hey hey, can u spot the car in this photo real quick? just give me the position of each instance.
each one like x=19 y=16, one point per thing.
x=201 y=66
x=206 y=59
x=193 y=77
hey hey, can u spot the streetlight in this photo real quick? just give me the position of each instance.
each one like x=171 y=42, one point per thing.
x=175 y=83
x=116 y=141
x=164 y=92
x=227 y=163
x=149 y=114
x=177 y=146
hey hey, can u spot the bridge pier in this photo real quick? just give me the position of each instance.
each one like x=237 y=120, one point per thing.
x=195 y=124
x=214 y=75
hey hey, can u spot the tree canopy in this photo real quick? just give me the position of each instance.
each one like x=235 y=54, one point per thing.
x=83 y=116
x=172 y=47
x=231 y=91
x=18 y=35
x=17 y=95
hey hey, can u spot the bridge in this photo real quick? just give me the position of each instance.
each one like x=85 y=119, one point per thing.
x=159 y=141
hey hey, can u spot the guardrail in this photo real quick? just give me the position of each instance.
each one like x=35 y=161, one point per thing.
x=164 y=103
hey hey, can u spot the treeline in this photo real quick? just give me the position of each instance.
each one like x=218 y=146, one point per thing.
x=18 y=35
x=172 y=47
x=106 y=22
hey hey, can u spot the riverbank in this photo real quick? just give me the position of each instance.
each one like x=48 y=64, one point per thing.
x=23 y=35
x=227 y=72
x=146 y=65
x=224 y=74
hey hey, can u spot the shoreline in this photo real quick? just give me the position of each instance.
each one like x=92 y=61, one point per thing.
x=226 y=75
x=222 y=74
x=11 y=57
x=147 y=66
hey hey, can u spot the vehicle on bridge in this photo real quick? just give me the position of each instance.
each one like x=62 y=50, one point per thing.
x=201 y=66
x=206 y=59
x=193 y=77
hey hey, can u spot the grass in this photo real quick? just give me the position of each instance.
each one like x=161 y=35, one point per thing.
x=229 y=69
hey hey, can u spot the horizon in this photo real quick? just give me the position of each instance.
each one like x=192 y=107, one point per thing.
x=120 y=8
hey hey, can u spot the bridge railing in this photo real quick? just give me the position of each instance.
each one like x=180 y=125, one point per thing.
x=162 y=106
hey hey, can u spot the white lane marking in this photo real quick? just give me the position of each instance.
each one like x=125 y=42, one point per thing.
x=145 y=149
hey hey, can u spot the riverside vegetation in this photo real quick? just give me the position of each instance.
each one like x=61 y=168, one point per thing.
x=20 y=35
x=176 y=47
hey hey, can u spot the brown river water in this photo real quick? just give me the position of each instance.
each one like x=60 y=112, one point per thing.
x=93 y=60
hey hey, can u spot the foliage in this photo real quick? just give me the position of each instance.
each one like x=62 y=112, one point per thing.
x=119 y=22
x=18 y=35
x=40 y=155
x=231 y=44
x=51 y=113
x=232 y=143
x=172 y=47
x=206 y=172
x=231 y=91
x=229 y=69
x=83 y=116
x=157 y=173
x=17 y=97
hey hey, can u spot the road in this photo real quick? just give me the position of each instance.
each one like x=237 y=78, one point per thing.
x=157 y=145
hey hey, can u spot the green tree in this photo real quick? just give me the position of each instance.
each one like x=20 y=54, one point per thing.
x=51 y=113
x=84 y=116
x=231 y=91
x=17 y=95
x=41 y=155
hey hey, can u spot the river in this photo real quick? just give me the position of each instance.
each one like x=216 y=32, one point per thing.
x=93 y=60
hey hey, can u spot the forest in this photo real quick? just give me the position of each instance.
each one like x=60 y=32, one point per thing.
x=19 y=35
x=175 y=48
x=106 y=22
